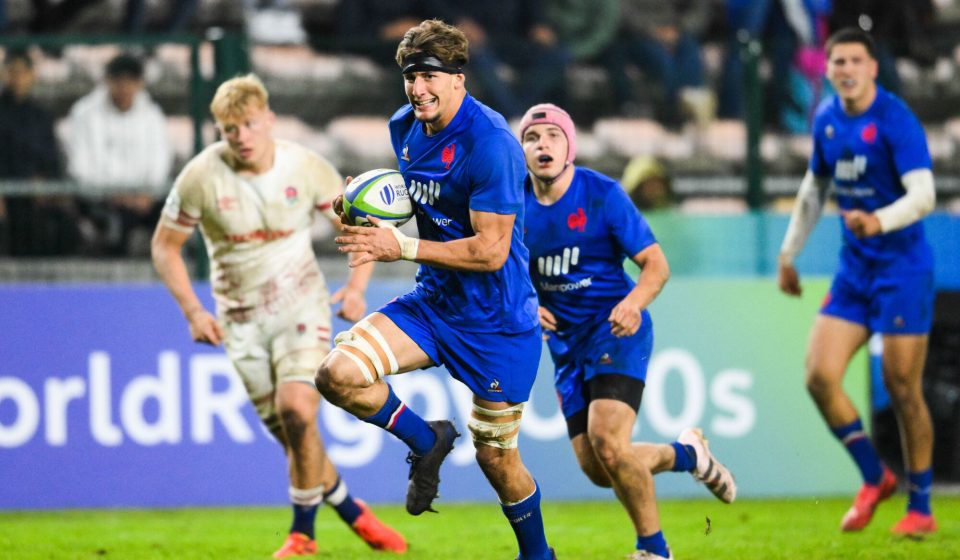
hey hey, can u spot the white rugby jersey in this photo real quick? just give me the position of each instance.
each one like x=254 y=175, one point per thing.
x=256 y=228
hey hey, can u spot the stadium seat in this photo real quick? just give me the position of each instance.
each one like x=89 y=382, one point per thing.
x=630 y=137
x=725 y=140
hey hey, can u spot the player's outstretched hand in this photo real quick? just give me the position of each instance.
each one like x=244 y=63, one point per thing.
x=354 y=304
x=788 y=280
x=862 y=224
x=373 y=243
x=625 y=318
x=547 y=321
x=205 y=328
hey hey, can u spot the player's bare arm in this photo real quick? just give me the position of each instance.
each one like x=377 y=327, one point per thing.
x=625 y=317
x=485 y=251
x=351 y=296
x=166 y=249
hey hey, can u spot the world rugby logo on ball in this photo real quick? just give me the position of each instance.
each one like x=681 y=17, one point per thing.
x=379 y=193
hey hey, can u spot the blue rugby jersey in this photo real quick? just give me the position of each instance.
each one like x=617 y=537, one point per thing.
x=577 y=247
x=866 y=155
x=474 y=163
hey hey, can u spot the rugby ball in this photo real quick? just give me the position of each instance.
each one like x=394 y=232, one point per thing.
x=381 y=193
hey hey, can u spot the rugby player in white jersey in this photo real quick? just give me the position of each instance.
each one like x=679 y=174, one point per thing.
x=255 y=198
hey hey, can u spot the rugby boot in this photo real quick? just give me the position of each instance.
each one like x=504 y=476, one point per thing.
x=869 y=496
x=711 y=472
x=425 y=470
x=297 y=544
x=376 y=533
x=915 y=524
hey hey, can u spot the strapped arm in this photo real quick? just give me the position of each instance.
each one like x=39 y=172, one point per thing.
x=806 y=212
x=919 y=201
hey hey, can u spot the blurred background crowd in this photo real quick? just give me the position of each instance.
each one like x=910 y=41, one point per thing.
x=103 y=101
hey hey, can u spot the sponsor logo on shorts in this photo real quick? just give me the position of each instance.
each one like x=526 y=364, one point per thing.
x=495 y=386
x=406 y=153
x=605 y=359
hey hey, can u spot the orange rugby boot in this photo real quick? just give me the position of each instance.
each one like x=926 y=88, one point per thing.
x=869 y=496
x=915 y=524
x=297 y=544
x=376 y=533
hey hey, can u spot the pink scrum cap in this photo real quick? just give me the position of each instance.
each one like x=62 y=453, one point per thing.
x=548 y=113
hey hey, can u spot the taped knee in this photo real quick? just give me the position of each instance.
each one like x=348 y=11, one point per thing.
x=496 y=428
x=363 y=354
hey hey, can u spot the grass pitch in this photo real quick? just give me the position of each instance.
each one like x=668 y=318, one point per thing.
x=752 y=529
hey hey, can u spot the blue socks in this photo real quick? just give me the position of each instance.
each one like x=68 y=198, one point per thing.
x=919 y=499
x=654 y=543
x=861 y=449
x=402 y=422
x=527 y=524
x=303 y=518
x=686 y=459
x=341 y=501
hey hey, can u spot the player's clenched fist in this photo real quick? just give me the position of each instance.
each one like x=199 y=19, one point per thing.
x=625 y=319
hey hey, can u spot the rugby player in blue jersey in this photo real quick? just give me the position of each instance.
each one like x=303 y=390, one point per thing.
x=579 y=227
x=473 y=309
x=872 y=148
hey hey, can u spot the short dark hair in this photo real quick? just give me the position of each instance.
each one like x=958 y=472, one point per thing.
x=852 y=35
x=18 y=54
x=125 y=66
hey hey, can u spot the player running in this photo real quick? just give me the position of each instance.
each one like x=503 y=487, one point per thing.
x=254 y=199
x=873 y=149
x=580 y=225
x=473 y=308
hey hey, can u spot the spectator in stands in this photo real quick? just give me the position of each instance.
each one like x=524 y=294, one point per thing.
x=34 y=225
x=515 y=33
x=586 y=28
x=781 y=26
x=661 y=37
x=118 y=139
x=177 y=18
x=50 y=15
x=373 y=28
x=648 y=184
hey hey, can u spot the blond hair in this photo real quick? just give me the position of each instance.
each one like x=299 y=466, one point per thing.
x=442 y=40
x=235 y=95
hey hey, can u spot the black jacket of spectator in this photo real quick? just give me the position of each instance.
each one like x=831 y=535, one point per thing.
x=30 y=148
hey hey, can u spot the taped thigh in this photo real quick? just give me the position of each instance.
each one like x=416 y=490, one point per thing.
x=496 y=428
x=266 y=408
x=368 y=349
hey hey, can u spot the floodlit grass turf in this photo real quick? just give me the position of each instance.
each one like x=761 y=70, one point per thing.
x=751 y=529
